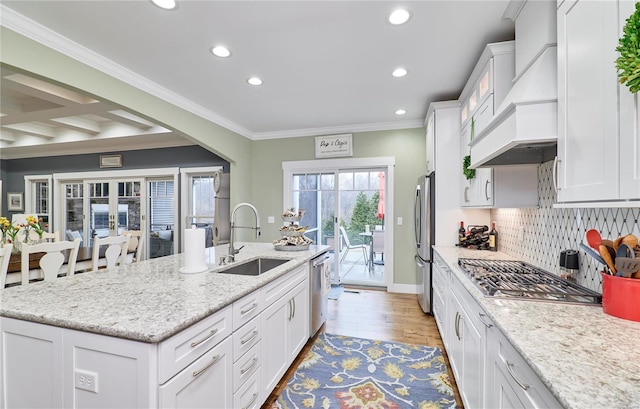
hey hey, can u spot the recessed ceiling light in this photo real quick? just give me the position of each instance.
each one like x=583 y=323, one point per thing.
x=220 y=51
x=399 y=72
x=401 y=111
x=165 y=4
x=254 y=81
x=399 y=16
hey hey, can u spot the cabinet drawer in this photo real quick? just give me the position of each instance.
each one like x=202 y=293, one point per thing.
x=204 y=383
x=249 y=395
x=180 y=350
x=525 y=383
x=276 y=289
x=246 y=366
x=246 y=308
x=246 y=337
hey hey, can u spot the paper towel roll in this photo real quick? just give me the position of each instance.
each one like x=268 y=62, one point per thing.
x=194 y=252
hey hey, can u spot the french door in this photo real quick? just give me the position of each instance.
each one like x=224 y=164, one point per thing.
x=101 y=208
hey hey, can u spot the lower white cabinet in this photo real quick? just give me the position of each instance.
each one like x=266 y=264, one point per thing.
x=286 y=330
x=440 y=276
x=203 y=384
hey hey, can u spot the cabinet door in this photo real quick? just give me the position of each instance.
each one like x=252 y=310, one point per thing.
x=276 y=357
x=206 y=383
x=588 y=133
x=31 y=365
x=481 y=187
x=629 y=128
x=298 y=325
x=431 y=144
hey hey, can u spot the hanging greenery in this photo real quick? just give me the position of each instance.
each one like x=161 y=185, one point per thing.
x=628 y=63
x=468 y=173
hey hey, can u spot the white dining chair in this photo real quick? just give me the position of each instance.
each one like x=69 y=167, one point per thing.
x=115 y=253
x=5 y=255
x=350 y=246
x=54 y=237
x=136 y=244
x=377 y=243
x=51 y=264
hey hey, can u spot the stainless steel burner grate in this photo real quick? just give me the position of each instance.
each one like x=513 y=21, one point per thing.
x=516 y=279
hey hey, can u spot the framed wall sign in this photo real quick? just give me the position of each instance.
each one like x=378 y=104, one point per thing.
x=111 y=161
x=15 y=201
x=332 y=146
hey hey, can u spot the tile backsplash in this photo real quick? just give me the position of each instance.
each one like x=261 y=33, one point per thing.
x=548 y=231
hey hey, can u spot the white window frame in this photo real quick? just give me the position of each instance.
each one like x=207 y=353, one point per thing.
x=29 y=194
x=336 y=165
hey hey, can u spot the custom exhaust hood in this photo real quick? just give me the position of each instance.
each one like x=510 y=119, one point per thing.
x=524 y=128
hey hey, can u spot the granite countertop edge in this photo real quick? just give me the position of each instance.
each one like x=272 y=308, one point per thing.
x=149 y=301
x=577 y=351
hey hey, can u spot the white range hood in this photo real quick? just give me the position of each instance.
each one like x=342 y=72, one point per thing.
x=524 y=128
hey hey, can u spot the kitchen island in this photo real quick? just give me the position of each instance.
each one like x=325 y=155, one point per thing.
x=583 y=356
x=149 y=333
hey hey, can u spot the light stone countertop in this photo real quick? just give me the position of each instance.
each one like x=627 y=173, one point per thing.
x=587 y=359
x=149 y=301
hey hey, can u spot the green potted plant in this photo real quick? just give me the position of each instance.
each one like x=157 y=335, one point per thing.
x=628 y=63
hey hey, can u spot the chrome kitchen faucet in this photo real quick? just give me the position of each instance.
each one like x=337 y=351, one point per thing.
x=232 y=250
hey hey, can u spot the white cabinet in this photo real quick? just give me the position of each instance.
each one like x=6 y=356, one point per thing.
x=31 y=356
x=511 y=383
x=440 y=276
x=431 y=143
x=286 y=330
x=598 y=142
x=203 y=384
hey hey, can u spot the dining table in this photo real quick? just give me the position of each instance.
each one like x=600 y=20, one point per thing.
x=84 y=262
x=368 y=236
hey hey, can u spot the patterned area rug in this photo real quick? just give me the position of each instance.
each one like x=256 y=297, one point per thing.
x=348 y=373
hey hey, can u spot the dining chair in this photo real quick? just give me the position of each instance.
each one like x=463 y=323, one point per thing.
x=350 y=246
x=51 y=264
x=5 y=255
x=54 y=237
x=115 y=253
x=135 y=244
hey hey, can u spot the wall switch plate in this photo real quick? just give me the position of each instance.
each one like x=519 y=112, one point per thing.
x=399 y=221
x=521 y=233
x=86 y=380
x=271 y=219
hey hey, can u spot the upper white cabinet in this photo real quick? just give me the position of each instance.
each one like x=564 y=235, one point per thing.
x=598 y=143
x=431 y=143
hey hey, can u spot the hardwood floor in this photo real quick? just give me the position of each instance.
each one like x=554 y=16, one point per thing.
x=376 y=315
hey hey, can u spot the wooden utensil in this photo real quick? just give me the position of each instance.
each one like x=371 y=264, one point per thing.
x=594 y=239
x=607 y=242
x=630 y=240
x=617 y=242
x=606 y=256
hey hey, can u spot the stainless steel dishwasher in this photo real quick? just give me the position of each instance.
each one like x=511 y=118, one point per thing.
x=319 y=285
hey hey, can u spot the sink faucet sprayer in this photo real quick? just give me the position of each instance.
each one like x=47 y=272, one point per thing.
x=232 y=250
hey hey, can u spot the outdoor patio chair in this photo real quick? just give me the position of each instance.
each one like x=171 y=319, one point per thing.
x=348 y=246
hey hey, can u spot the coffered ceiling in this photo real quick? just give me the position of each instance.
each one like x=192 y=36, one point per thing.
x=326 y=66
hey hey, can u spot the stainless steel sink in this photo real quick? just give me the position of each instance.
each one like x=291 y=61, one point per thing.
x=255 y=267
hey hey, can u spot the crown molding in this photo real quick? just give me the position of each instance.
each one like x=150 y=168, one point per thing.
x=43 y=35
x=332 y=130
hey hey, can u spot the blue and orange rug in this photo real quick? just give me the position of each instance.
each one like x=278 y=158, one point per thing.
x=348 y=373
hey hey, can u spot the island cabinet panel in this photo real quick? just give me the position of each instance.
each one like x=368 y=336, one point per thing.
x=31 y=358
x=106 y=372
x=250 y=395
x=298 y=328
x=203 y=384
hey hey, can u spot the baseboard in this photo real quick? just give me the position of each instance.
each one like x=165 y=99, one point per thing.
x=403 y=288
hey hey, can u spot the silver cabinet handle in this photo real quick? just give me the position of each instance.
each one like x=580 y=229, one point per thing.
x=466 y=198
x=293 y=300
x=253 y=399
x=203 y=370
x=513 y=375
x=245 y=370
x=482 y=320
x=556 y=161
x=486 y=192
x=290 y=311
x=457 y=325
x=211 y=334
x=252 y=336
x=248 y=310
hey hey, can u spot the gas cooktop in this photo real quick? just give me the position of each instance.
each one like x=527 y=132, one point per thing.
x=519 y=280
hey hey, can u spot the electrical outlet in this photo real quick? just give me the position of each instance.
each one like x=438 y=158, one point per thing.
x=399 y=221
x=521 y=233
x=86 y=380
x=271 y=219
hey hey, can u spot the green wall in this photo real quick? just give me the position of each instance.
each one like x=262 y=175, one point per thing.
x=407 y=146
x=256 y=166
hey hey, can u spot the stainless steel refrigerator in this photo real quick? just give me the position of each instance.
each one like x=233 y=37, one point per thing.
x=424 y=226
